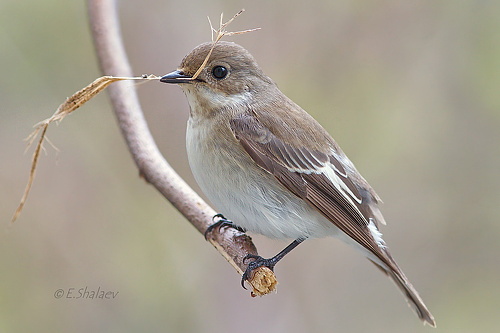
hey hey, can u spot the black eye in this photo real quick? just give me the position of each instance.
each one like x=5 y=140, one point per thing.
x=219 y=72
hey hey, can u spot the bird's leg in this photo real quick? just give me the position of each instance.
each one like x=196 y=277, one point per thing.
x=221 y=222
x=269 y=263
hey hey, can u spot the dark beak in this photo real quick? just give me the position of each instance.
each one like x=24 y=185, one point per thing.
x=176 y=77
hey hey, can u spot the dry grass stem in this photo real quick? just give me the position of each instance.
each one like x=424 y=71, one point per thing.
x=71 y=104
x=219 y=33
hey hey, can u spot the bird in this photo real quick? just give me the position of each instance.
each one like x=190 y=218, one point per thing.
x=271 y=168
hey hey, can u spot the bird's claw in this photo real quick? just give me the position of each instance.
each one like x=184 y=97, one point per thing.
x=258 y=262
x=221 y=222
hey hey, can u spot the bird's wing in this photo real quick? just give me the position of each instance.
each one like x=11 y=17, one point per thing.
x=331 y=184
x=328 y=182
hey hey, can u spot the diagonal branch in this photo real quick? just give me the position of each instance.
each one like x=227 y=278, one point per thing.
x=233 y=245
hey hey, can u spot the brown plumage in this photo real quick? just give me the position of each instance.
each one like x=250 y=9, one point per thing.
x=271 y=167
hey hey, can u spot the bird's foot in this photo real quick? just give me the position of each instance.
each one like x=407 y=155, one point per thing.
x=269 y=263
x=258 y=262
x=220 y=221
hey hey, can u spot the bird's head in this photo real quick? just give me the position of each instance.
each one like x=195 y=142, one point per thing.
x=230 y=77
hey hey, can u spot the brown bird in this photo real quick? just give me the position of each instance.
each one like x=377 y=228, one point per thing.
x=271 y=168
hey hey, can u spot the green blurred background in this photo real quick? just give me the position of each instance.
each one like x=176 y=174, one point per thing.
x=410 y=90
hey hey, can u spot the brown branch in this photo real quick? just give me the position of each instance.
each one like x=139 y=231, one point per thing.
x=233 y=245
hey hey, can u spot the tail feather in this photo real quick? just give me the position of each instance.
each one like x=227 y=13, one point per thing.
x=412 y=296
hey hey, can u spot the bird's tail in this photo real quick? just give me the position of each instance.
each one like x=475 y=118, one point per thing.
x=412 y=296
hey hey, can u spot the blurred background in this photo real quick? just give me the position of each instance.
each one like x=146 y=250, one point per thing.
x=410 y=90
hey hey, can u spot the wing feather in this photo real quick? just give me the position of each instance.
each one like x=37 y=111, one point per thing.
x=323 y=180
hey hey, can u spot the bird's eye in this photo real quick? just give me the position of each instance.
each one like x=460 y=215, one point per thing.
x=219 y=72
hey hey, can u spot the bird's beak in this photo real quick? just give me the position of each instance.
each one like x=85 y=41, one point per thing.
x=177 y=76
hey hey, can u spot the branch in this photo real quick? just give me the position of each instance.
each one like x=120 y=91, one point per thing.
x=233 y=245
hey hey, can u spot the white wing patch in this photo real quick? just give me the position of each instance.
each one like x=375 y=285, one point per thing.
x=377 y=235
x=328 y=169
